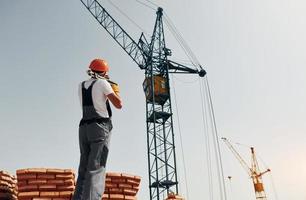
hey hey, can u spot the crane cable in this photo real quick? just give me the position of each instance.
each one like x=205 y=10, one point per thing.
x=154 y=4
x=175 y=33
x=271 y=178
x=181 y=139
x=130 y=19
x=273 y=186
x=231 y=188
x=207 y=146
x=179 y=39
x=187 y=50
x=144 y=4
x=193 y=59
x=216 y=141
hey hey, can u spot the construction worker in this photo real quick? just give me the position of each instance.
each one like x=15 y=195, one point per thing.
x=95 y=130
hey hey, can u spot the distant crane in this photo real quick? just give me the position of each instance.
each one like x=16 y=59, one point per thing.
x=253 y=171
x=152 y=57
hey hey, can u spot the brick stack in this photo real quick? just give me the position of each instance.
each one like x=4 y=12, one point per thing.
x=45 y=184
x=8 y=186
x=121 y=186
x=173 y=196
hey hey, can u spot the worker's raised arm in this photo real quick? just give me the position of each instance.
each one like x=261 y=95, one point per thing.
x=115 y=99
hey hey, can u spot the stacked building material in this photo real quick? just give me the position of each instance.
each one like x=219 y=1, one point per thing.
x=46 y=184
x=119 y=186
x=8 y=186
x=173 y=196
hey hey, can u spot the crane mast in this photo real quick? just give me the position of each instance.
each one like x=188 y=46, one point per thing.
x=253 y=171
x=152 y=57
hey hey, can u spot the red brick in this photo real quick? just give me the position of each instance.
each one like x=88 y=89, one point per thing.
x=105 y=196
x=113 y=175
x=64 y=176
x=55 y=181
x=69 y=171
x=21 y=171
x=37 y=170
x=26 y=176
x=115 y=191
x=129 y=197
x=116 y=196
x=55 y=171
x=133 y=182
x=65 y=188
x=118 y=180
x=171 y=195
x=132 y=192
x=137 y=178
x=22 y=183
x=61 y=198
x=24 y=198
x=28 y=194
x=42 y=198
x=65 y=194
x=68 y=182
x=111 y=185
x=124 y=185
x=127 y=176
x=136 y=188
x=27 y=188
x=49 y=194
x=45 y=176
x=37 y=181
x=47 y=187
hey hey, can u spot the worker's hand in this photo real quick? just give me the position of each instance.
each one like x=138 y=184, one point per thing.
x=106 y=76
x=115 y=87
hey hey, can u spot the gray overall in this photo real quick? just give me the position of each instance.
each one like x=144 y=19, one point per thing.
x=94 y=137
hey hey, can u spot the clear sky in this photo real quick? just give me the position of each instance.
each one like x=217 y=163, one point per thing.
x=254 y=53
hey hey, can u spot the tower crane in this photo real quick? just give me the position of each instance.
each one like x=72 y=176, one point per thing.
x=253 y=171
x=152 y=57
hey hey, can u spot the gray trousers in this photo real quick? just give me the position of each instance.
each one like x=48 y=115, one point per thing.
x=94 y=141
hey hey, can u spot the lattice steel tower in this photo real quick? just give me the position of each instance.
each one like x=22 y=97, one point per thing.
x=153 y=58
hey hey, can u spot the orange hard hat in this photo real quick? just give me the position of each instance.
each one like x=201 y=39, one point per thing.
x=99 y=65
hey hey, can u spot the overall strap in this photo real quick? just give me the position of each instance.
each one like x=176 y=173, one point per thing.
x=109 y=110
x=87 y=94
